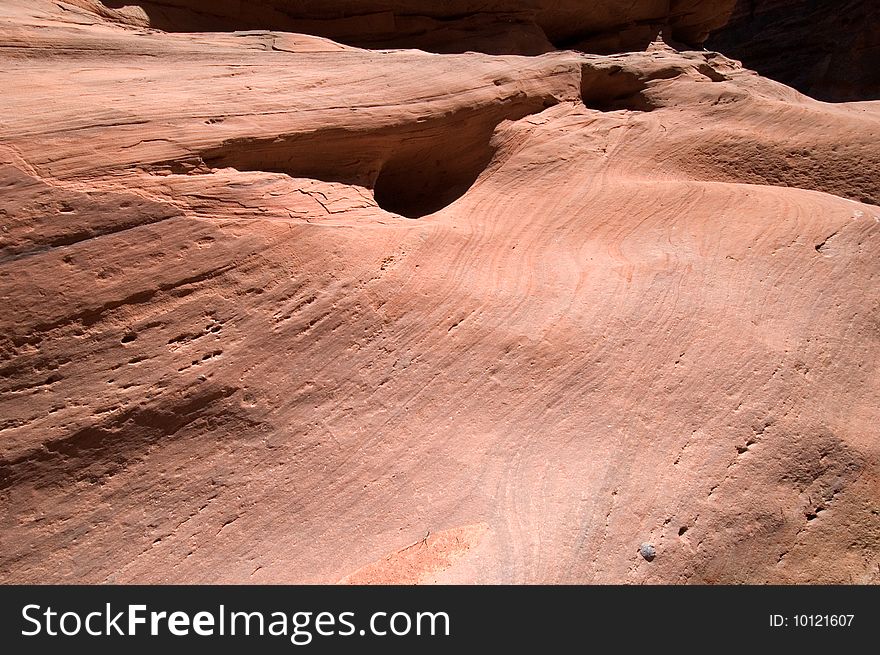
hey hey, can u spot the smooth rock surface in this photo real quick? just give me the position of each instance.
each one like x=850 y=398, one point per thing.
x=282 y=310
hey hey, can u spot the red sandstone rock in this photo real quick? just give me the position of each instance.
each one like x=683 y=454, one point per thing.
x=281 y=310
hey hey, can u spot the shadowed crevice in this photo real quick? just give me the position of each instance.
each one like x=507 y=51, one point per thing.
x=451 y=26
x=413 y=170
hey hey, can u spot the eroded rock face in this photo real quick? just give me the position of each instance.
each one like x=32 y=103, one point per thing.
x=494 y=26
x=282 y=310
x=829 y=49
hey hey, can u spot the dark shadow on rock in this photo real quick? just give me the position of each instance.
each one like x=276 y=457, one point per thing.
x=827 y=49
x=453 y=26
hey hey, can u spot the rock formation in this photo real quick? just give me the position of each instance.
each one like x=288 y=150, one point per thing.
x=494 y=26
x=829 y=49
x=278 y=309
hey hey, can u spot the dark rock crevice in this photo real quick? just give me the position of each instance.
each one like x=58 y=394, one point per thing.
x=827 y=49
x=613 y=88
x=413 y=169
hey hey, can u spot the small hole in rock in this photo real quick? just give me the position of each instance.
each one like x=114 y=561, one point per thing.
x=613 y=89
x=413 y=169
x=420 y=181
x=128 y=338
x=411 y=173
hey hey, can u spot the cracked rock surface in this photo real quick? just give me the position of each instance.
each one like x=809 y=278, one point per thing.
x=280 y=309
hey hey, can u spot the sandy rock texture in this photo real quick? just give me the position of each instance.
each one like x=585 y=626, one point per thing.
x=277 y=309
x=829 y=49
